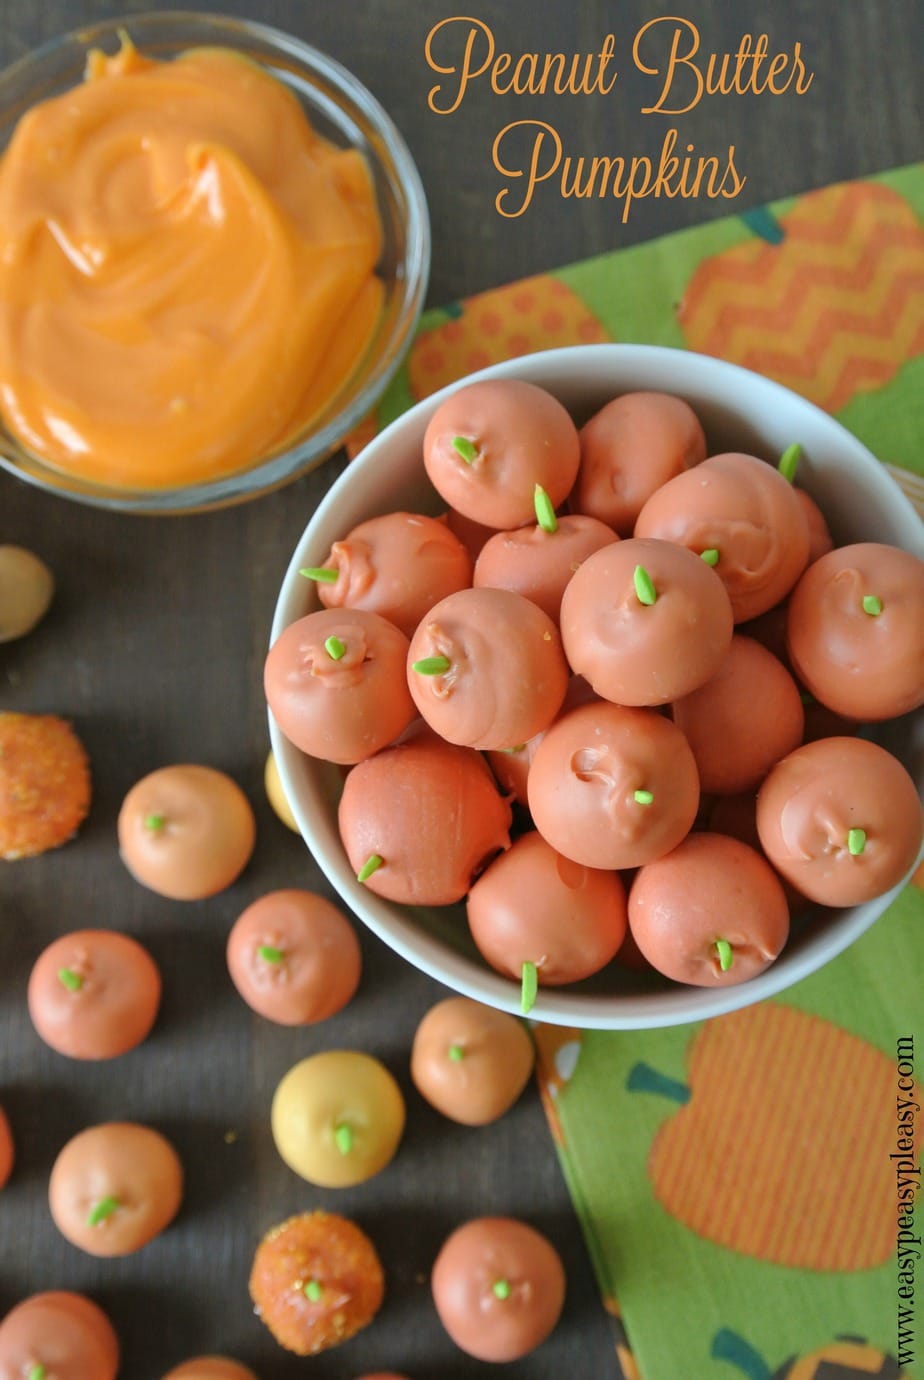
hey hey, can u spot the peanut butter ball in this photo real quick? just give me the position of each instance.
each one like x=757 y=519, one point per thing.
x=840 y=819
x=26 y=590
x=316 y=1281
x=645 y=622
x=742 y=511
x=486 y=669
x=489 y=444
x=855 y=631
x=115 y=1187
x=186 y=831
x=398 y=565
x=613 y=787
x=337 y=1118
x=335 y=683
x=631 y=447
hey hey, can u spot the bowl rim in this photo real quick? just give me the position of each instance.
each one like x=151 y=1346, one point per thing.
x=413 y=276
x=568 y=1006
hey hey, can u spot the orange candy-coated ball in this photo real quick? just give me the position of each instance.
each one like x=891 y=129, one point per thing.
x=44 y=784
x=316 y=1281
x=186 y=832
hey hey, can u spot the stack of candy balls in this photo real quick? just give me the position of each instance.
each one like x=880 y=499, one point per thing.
x=613 y=698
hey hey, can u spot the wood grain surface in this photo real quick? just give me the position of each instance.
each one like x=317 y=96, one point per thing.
x=154 y=650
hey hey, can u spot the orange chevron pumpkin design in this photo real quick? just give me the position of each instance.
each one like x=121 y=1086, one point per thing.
x=534 y=314
x=782 y=1148
x=833 y=309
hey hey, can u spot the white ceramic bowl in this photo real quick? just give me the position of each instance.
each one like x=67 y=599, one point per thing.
x=739 y=411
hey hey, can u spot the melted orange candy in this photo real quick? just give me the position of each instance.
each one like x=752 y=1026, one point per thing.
x=186 y=270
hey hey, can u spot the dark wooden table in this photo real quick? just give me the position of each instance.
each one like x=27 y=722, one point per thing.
x=154 y=649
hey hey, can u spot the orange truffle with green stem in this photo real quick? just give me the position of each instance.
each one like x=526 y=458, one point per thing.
x=499 y=1287
x=398 y=565
x=186 y=831
x=393 y=817
x=94 y=994
x=486 y=669
x=316 y=1281
x=613 y=787
x=336 y=684
x=741 y=513
x=855 y=631
x=544 y=920
x=294 y=957
x=538 y=560
x=645 y=621
x=114 y=1187
x=58 y=1336
x=488 y=444
x=710 y=913
x=470 y=1061
x=840 y=818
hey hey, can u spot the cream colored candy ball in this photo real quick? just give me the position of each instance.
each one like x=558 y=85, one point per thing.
x=26 y=589
x=276 y=796
x=337 y=1118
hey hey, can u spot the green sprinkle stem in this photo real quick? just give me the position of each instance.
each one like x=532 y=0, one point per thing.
x=313 y=1291
x=270 y=954
x=529 y=987
x=643 y=797
x=69 y=979
x=343 y=1137
x=431 y=665
x=872 y=605
x=501 y=1289
x=155 y=823
x=807 y=697
x=726 y=954
x=465 y=448
x=789 y=461
x=710 y=555
x=323 y=574
x=334 y=648
x=644 y=585
x=372 y=864
x=518 y=748
x=856 y=841
x=102 y=1210
x=545 y=512
x=37 y=1372
x=456 y=1053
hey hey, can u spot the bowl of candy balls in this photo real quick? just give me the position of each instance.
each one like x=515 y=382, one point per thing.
x=595 y=686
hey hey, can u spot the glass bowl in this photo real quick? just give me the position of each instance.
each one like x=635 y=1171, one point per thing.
x=739 y=410
x=340 y=109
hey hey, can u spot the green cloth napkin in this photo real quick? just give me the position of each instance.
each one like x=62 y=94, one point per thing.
x=735 y=1179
